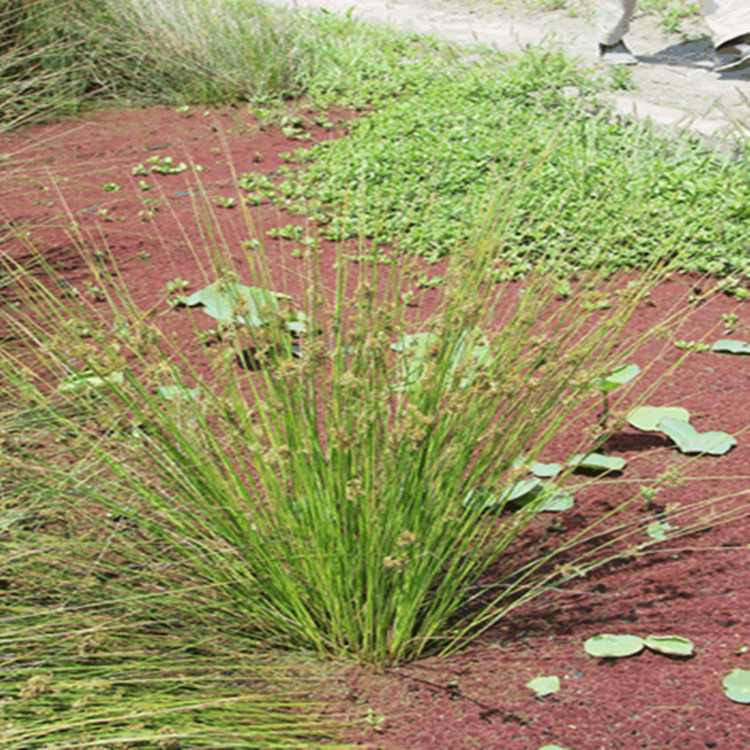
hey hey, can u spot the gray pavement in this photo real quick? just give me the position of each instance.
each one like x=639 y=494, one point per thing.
x=675 y=85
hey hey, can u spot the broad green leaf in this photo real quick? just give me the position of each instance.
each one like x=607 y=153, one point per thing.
x=658 y=530
x=519 y=490
x=83 y=382
x=556 y=501
x=545 y=471
x=548 y=498
x=674 y=645
x=608 y=646
x=469 y=350
x=597 y=462
x=646 y=418
x=617 y=377
x=731 y=346
x=178 y=393
x=544 y=685
x=689 y=440
x=249 y=305
x=737 y=685
x=520 y=493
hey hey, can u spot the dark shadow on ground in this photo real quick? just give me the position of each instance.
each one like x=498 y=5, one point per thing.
x=698 y=54
x=693 y=54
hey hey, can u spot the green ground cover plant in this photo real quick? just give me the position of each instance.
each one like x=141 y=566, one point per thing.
x=417 y=173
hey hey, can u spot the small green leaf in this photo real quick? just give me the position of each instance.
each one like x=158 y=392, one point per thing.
x=608 y=646
x=673 y=645
x=689 y=440
x=178 y=393
x=556 y=501
x=83 y=382
x=544 y=471
x=469 y=350
x=731 y=346
x=658 y=530
x=737 y=685
x=646 y=418
x=544 y=685
x=249 y=305
x=617 y=377
x=597 y=462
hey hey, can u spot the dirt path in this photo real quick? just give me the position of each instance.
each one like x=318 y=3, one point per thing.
x=675 y=85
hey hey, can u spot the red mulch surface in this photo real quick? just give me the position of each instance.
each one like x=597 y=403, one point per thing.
x=52 y=180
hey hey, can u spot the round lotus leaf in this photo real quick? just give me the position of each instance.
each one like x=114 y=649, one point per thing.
x=673 y=645
x=731 y=346
x=608 y=646
x=545 y=471
x=737 y=685
x=544 y=685
x=646 y=418
x=597 y=462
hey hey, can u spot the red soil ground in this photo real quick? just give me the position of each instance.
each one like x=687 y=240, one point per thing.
x=52 y=182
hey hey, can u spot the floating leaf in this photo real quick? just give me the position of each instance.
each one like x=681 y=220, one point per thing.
x=597 y=462
x=608 y=646
x=617 y=377
x=673 y=645
x=83 y=382
x=658 y=530
x=249 y=305
x=646 y=418
x=482 y=499
x=737 y=685
x=545 y=471
x=689 y=440
x=178 y=393
x=470 y=351
x=544 y=685
x=731 y=346
x=556 y=501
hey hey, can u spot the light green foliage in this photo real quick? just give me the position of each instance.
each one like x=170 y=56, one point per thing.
x=621 y=78
x=608 y=646
x=658 y=530
x=671 y=645
x=689 y=440
x=87 y=382
x=731 y=346
x=544 y=685
x=737 y=685
x=616 y=378
x=230 y=301
x=424 y=170
x=597 y=462
x=647 y=418
x=469 y=356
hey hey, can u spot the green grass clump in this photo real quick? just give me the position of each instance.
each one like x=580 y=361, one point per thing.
x=58 y=57
x=337 y=500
